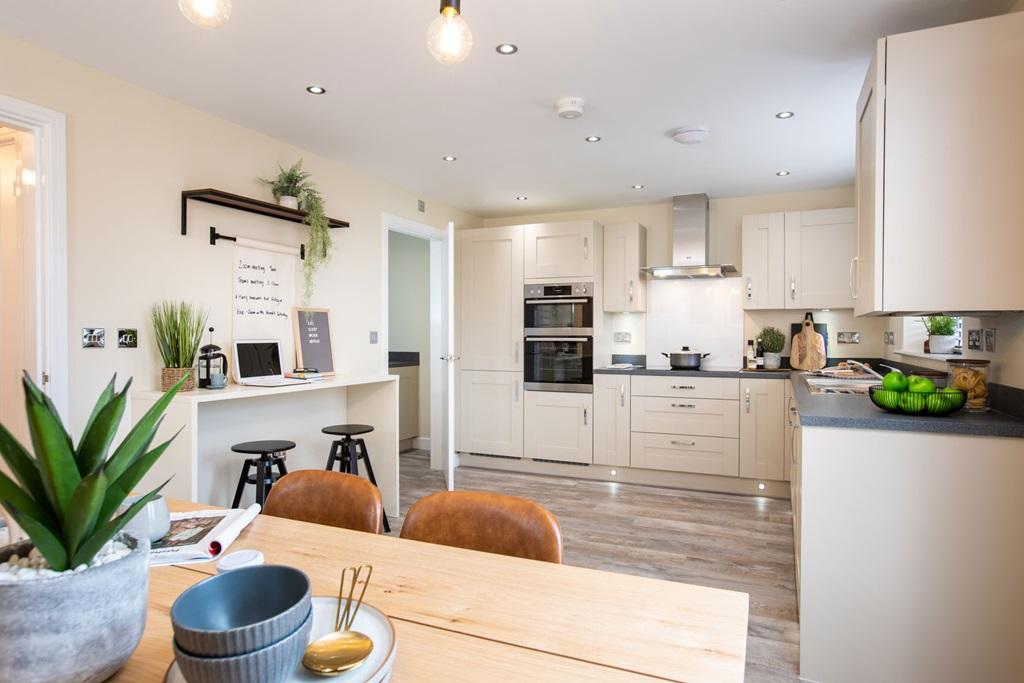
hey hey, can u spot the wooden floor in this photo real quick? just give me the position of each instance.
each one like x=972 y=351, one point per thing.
x=740 y=543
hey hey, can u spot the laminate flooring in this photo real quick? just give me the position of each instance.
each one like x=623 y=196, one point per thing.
x=740 y=543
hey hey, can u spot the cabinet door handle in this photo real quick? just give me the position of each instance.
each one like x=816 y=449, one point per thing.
x=792 y=287
x=586 y=248
x=515 y=353
x=584 y=417
x=682 y=386
x=622 y=395
x=748 y=399
x=517 y=391
x=683 y=443
x=630 y=291
x=750 y=289
x=854 y=262
x=683 y=405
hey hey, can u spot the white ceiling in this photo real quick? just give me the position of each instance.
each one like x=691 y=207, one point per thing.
x=645 y=67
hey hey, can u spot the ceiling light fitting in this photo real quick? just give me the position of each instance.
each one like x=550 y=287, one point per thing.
x=782 y=173
x=206 y=13
x=448 y=157
x=316 y=90
x=593 y=138
x=785 y=115
x=507 y=49
x=638 y=187
x=448 y=37
x=521 y=198
x=691 y=135
x=569 y=107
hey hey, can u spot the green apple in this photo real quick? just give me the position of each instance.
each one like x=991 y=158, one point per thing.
x=940 y=403
x=895 y=381
x=920 y=385
x=912 y=402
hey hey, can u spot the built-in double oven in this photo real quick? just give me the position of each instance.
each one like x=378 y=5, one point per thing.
x=559 y=343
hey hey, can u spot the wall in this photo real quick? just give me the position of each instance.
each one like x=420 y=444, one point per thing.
x=130 y=154
x=838 y=320
x=409 y=309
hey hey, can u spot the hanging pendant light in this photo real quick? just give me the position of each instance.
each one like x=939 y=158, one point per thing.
x=206 y=13
x=448 y=36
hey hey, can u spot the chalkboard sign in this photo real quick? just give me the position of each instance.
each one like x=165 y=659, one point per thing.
x=313 y=339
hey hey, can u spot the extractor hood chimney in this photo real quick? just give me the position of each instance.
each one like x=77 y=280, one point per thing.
x=690 y=230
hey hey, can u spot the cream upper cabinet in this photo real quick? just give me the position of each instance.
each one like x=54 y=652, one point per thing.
x=762 y=428
x=941 y=226
x=820 y=246
x=489 y=296
x=764 y=261
x=560 y=250
x=490 y=413
x=625 y=254
x=611 y=420
x=559 y=426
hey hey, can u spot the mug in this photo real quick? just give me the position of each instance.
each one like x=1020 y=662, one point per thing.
x=218 y=380
x=152 y=521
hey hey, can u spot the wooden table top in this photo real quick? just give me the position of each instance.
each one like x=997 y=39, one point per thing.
x=494 y=618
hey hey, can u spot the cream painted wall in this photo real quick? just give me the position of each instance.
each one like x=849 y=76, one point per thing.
x=409 y=309
x=131 y=153
x=838 y=320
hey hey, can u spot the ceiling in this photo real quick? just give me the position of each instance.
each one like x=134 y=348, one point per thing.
x=644 y=68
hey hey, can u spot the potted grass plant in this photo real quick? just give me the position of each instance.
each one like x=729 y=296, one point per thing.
x=941 y=333
x=772 y=341
x=73 y=598
x=178 y=327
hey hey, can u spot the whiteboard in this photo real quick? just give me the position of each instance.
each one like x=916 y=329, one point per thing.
x=313 y=349
x=263 y=295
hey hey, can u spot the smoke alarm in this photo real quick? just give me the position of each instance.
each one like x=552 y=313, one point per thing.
x=569 y=107
x=691 y=135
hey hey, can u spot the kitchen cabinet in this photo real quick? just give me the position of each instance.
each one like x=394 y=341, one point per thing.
x=559 y=426
x=791 y=415
x=693 y=416
x=675 y=453
x=611 y=420
x=799 y=259
x=489 y=299
x=796 y=488
x=625 y=255
x=939 y=167
x=408 y=401
x=491 y=413
x=686 y=386
x=762 y=428
x=560 y=250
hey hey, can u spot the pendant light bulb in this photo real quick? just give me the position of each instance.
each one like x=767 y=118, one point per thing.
x=206 y=13
x=448 y=37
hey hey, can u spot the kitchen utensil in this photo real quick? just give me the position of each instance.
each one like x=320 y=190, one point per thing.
x=152 y=521
x=237 y=612
x=685 y=359
x=820 y=328
x=343 y=649
x=935 y=404
x=808 y=347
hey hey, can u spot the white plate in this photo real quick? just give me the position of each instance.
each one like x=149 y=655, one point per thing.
x=370 y=621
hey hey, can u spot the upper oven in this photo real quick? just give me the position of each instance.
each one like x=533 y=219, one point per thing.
x=559 y=309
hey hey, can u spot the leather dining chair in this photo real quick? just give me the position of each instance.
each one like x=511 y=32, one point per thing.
x=330 y=498
x=490 y=522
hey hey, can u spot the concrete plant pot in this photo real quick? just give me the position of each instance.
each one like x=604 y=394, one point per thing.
x=78 y=627
x=772 y=361
x=941 y=343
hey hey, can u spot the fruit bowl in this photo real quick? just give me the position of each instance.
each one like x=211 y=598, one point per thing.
x=935 y=403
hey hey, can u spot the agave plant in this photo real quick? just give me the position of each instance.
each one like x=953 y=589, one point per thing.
x=66 y=495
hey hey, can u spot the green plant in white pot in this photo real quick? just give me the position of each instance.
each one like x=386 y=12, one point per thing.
x=941 y=333
x=73 y=598
x=772 y=341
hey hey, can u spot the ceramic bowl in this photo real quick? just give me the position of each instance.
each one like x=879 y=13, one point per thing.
x=241 y=611
x=272 y=664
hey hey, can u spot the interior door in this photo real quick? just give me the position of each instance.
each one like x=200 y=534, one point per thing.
x=442 y=325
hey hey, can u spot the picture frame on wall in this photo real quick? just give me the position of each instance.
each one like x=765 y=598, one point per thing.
x=313 y=347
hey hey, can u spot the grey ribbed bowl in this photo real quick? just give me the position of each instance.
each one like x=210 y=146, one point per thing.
x=241 y=611
x=272 y=664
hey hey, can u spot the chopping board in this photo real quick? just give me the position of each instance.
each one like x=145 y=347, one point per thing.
x=808 y=348
x=820 y=328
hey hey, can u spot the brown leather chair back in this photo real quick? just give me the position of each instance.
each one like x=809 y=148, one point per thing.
x=331 y=498
x=491 y=522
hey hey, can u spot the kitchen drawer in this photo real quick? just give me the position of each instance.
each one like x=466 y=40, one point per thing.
x=698 y=454
x=694 y=416
x=686 y=386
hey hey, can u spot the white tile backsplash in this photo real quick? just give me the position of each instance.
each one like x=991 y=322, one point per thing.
x=706 y=315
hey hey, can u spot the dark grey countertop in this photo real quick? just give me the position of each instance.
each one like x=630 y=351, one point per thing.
x=403 y=359
x=669 y=372
x=403 y=363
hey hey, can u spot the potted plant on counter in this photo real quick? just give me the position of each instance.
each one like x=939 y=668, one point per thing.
x=941 y=333
x=178 y=327
x=73 y=598
x=772 y=341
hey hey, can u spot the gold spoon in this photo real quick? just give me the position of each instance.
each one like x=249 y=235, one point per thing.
x=343 y=649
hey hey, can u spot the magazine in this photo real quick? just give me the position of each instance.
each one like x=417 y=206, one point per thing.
x=200 y=535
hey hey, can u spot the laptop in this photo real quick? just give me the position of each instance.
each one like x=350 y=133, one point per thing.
x=258 y=364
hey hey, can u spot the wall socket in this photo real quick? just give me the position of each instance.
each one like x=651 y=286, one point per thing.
x=623 y=337
x=848 y=337
x=889 y=338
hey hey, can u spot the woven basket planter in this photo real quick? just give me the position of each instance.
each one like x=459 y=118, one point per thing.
x=170 y=376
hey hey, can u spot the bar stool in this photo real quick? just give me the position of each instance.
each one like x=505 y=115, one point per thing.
x=271 y=454
x=347 y=452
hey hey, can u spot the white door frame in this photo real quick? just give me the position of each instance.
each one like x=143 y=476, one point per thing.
x=51 y=242
x=441 y=318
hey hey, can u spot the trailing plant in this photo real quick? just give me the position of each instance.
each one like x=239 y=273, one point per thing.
x=772 y=340
x=290 y=182
x=179 y=327
x=64 y=495
x=939 y=325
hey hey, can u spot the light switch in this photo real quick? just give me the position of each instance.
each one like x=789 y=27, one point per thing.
x=373 y=336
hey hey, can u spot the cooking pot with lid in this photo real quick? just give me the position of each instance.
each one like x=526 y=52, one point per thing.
x=685 y=359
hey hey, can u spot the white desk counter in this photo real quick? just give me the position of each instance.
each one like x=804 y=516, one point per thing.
x=203 y=466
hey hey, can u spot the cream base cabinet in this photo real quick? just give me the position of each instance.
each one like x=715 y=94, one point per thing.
x=408 y=401
x=559 y=250
x=763 y=428
x=820 y=247
x=611 y=420
x=625 y=254
x=764 y=261
x=491 y=413
x=559 y=427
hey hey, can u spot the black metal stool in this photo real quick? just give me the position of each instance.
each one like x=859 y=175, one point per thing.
x=271 y=454
x=348 y=452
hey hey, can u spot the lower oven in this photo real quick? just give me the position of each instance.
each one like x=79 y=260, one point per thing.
x=559 y=364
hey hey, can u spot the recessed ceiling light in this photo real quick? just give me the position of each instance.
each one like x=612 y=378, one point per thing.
x=448 y=157
x=782 y=173
x=521 y=198
x=593 y=138
x=507 y=49
x=638 y=187
x=316 y=90
x=785 y=115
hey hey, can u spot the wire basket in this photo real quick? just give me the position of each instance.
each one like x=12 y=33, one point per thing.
x=936 y=403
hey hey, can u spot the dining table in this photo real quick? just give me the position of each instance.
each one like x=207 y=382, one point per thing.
x=465 y=615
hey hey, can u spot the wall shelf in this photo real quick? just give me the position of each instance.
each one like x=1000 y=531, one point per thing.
x=235 y=201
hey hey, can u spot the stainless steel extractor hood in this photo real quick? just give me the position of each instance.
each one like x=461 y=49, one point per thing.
x=690 y=242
